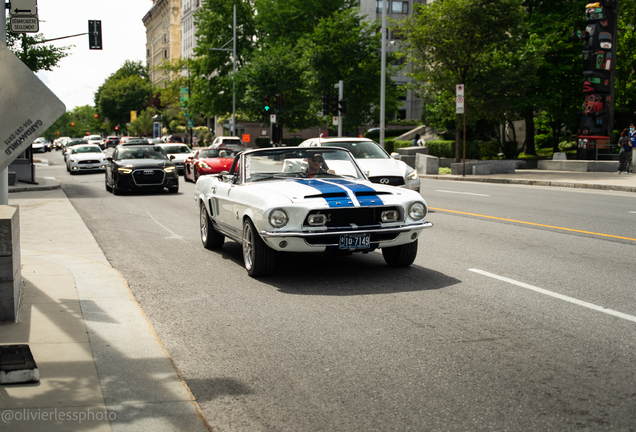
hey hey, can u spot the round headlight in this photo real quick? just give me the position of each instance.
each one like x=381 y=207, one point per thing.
x=417 y=211
x=278 y=218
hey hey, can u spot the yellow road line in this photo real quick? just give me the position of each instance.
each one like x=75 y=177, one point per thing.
x=532 y=223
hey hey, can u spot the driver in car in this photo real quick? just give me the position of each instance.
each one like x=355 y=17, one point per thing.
x=315 y=165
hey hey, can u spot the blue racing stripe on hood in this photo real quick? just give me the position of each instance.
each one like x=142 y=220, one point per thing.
x=326 y=189
x=367 y=197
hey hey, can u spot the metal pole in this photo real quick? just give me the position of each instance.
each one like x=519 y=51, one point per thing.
x=4 y=174
x=383 y=74
x=340 y=86
x=234 y=77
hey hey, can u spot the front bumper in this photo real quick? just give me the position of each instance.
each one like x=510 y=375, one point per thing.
x=321 y=241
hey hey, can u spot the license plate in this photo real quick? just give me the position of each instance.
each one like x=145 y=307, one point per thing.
x=355 y=241
x=88 y=166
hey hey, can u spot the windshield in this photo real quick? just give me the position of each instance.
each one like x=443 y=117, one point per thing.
x=176 y=149
x=361 y=149
x=216 y=153
x=86 y=149
x=323 y=163
x=140 y=153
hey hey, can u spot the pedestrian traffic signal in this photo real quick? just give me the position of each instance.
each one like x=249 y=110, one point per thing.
x=267 y=104
x=94 y=34
x=325 y=105
x=342 y=106
x=277 y=103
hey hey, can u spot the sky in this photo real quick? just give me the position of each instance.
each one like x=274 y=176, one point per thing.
x=78 y=76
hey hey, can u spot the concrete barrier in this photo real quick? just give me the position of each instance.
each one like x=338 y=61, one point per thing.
x=426 y=164
x=578 y=165
x=484 y=167
x=408 y=154
x=10 y=267
x=559 y=156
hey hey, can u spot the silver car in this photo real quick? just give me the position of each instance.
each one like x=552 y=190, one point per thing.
x=87 y=157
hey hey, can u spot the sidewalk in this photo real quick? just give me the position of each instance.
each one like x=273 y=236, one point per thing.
x=571 y=179
x=102 y=367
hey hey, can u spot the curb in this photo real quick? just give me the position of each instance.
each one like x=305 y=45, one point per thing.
x=554 y=183
x=47 y=183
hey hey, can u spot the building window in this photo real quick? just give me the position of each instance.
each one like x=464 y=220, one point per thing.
x=165 y=53
x=400 y=7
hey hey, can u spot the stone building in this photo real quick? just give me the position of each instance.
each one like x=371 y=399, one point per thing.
x=163 y=37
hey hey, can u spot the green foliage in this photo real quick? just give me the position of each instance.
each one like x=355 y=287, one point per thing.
x=446 y=149
x=262 y=142
x=32 y=51
x=543 y=141
x=489 y=150
x=375 y=134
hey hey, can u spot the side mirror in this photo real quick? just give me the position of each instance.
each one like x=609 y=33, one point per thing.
x=109 y=159
x=172 y=157
x=396 y=156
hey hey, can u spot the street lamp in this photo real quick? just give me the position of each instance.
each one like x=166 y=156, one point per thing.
x=233 y=71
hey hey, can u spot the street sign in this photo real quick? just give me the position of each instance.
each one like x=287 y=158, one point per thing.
x=27 y=107
x=272 y=118
x=25 y=24
x=335 y=121
x=23 y=7
x=459 y=90
x=459 y=105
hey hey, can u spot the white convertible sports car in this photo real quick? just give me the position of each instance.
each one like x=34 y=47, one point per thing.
x=292 y=199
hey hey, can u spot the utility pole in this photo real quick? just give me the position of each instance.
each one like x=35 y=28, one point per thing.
x=340 y=88
x=4 y=175
x=383 y=73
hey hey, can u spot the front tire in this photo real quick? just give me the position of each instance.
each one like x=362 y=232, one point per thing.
x=210 y=237
x=400 y=256
x=257 y=256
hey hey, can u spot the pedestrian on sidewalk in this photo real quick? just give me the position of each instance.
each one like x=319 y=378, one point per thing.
x=625 y=155
x=632 y=137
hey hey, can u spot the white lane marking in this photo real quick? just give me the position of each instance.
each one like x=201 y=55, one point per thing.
x=462 y=193
x=173 y=234
x=558 y=296
x=632 y=212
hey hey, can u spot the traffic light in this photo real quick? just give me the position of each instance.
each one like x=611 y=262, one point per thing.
x=276 y=103
x=333 y=105
x=73 y=125
x=267 y=104
x=94 y=34
x=342 y=106
x=96 y=117
x=325 y=105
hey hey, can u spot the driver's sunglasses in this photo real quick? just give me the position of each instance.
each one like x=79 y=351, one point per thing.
x=317 y=159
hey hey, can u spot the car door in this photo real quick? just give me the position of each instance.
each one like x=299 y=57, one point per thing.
x=223 y=195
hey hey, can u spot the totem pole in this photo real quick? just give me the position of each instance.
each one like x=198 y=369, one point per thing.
x=599 y=65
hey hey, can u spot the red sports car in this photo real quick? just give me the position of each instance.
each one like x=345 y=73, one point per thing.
x=207 y=161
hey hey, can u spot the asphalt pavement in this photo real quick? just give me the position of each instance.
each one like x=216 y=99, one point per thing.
x=101 y=364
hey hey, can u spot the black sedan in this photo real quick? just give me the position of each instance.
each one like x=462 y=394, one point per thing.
x=140 y=167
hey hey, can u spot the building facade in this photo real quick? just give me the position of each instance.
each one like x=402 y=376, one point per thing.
x=163 y=37
x=188 y=27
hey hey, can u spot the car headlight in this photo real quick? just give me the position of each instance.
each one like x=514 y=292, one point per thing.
x=169 y=169
x=124 y=170
x=413 y=175
x=317 y=219
x=278 y=218
x=73 y=160
x=203 y=165
x=417 y=211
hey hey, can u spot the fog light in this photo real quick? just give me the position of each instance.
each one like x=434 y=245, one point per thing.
x=317 y=219
x=283 y=244
x=413 y=236
x=74 y=168
x=389 y=216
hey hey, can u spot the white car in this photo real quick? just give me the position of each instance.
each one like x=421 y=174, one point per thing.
x=96 y=140
x=180 y=152
x=231 y=142
x=295 y=199
x=86 y=157
x=39 y=145
x=379 y=166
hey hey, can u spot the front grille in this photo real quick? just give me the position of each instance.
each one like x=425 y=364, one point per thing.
x=388 y=180
x=359 y=216
x=148 y=177
x=88 y=161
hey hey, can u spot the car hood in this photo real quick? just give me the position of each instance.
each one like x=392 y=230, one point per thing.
x=329 y=192
x=222 y=164
x=180 y=156
x=144 y=163
x=87 y=156
x=383 y=167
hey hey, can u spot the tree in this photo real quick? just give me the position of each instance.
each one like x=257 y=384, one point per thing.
x=126 y=90
x=454 y=42
x=32 y=51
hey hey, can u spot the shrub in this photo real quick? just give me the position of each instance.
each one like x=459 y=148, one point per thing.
x=489 y=150
x=567 y=145
x=374 y=135
x=543 y=140
x=262 y=142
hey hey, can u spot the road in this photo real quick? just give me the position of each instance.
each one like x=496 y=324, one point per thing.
x=518 y=314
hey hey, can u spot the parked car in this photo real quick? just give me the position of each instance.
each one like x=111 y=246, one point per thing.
x=85 y=157
x=173 y=139
x=39 y=145
x=207 y=161
x=112 y=141
x=231 y=142
x=295 y=199
x=133 y=141
x=379 y=166
x=180 y=152
x=140 y=167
